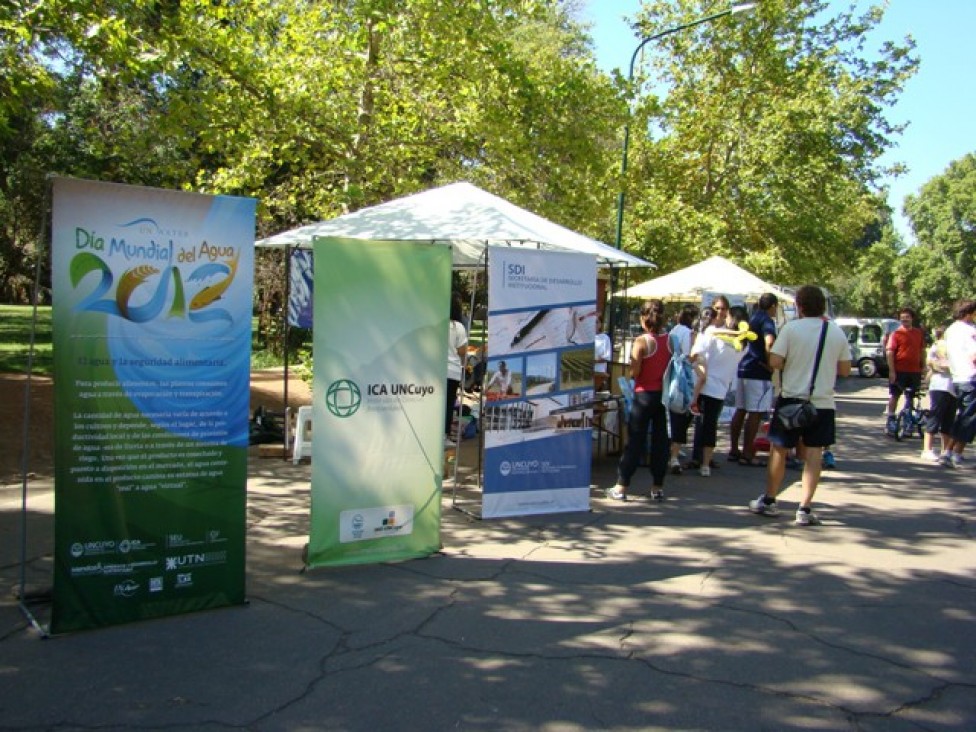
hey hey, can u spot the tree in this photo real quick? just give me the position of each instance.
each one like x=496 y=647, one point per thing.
x=942 y=266
x=765 y=147
x=869 y=287
x=70 y=103
x=314 y=108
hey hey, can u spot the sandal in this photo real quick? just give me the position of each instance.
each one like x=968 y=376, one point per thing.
x=752 y=462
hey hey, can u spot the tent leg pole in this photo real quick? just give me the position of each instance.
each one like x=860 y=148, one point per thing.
x=284 y=347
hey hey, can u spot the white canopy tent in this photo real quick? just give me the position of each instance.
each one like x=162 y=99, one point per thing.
x=460 y=213
x=715 y=274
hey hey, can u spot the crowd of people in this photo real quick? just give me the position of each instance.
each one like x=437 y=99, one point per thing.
x=774 y=375
x=730 y=350
x=950 y=366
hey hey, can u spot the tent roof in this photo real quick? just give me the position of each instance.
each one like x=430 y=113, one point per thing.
x=462 y=214
x=715 y=274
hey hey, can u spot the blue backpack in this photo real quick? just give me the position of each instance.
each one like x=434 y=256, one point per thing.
x=679 y=380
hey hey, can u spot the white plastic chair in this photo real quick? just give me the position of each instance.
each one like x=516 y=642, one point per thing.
x=303 y=435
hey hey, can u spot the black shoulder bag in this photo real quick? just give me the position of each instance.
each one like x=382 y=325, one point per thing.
x=795 y=414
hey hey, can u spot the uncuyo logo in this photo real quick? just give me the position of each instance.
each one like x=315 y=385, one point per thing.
x=343 y=398
x=505 y=468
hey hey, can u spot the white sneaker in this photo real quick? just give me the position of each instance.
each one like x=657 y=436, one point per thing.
x=762 y=508
x=448 y=442
x=705 y=471
x=675 y=466
x=930 y=456
x=806 y=518
x=957 y=460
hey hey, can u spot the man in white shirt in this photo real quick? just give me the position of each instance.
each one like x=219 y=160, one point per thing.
x=602 y=355
x=960 y=338
x=795 y=354
x=501 y=381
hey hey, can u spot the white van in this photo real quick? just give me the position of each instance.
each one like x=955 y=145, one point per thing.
x=867 y=337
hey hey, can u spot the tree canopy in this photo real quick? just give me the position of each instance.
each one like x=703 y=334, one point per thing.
x=764 y=139
x=763 y=131
x=941 y=267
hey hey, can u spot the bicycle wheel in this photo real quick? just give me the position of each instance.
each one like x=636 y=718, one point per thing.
x=920 y=417
x=902 y=425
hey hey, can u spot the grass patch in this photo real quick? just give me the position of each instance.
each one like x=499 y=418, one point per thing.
x=15 y=330
x=265 y=360
x=15 y=337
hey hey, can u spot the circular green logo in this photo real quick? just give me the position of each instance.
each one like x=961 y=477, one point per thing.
x=343 y=398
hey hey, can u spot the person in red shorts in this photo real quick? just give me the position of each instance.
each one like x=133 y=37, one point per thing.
x=905 y=353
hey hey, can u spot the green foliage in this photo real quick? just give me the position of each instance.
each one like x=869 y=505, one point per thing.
x=316 y=109
x=869 y=288
x=765 y=148
x=941 y=268
x=304 y=365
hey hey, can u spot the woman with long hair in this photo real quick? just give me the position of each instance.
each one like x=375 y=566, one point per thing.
x=649 y=357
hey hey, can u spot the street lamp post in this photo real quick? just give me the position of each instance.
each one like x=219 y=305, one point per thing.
x=739 y=8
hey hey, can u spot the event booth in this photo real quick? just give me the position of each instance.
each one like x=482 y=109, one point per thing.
x=462 y=215
x=715 y=274
x=699 y=282
x=152 y=311
x=535 y=438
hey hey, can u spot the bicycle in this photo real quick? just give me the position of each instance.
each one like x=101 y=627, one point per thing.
x=911 y=417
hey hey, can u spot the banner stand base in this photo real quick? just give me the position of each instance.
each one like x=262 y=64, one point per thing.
x=467 y=512
x=45 y=634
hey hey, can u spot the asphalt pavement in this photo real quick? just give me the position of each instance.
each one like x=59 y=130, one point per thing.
x=687 y=614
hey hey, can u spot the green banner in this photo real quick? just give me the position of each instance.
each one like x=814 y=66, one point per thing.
x=381 y=313
x=152 y=309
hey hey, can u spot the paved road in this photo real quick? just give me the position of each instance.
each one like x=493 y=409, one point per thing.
x=692 y=614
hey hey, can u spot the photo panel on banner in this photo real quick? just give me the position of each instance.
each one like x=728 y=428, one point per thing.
x=538 y=387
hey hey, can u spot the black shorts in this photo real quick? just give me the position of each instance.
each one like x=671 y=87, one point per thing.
x=905 y=380
x=942 y=412
x=964 y=428
x=819 y=434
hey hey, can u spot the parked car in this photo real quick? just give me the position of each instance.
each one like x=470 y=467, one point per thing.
x=867 y=337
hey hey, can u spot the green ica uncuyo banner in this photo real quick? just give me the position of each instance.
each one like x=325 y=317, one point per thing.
x=152 y=294
x=381 y=313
